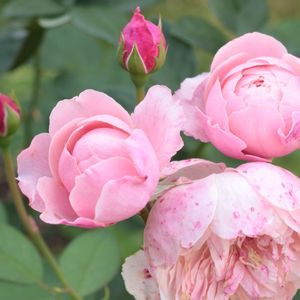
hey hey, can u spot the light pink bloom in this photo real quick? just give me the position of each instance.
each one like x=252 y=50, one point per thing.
x=98 y=165
x=230 y=234
x=147 y=37
x=247 y=106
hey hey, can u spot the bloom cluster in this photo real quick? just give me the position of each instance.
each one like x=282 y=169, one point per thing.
x=213 y=232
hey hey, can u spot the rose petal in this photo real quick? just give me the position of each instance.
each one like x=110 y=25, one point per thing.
x=137 y=278
x=89 y=103
x=125 y=197
x=33 y=164
x=277 y=185
x=56 y=199
x=255 y=133
x=179 y=219
x=255 y=44
x=240 y=209
x=160 y=117
x=88 y=186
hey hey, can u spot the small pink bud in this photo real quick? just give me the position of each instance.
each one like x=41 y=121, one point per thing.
x=9 y=116
x=142 y=47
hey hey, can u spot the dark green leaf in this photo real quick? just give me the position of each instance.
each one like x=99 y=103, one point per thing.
x=99 y=21
x=198 y=33
x=288 y=33
x=12 y=291
x=19 y=260
x=129 y=5
x=180 y=63
x=11 y=41
x=240 y=16
x=3 y=214
x=30 y=45
x=32 y=8
x=91 y=261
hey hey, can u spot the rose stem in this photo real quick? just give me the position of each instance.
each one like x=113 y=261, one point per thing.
x=29 y=224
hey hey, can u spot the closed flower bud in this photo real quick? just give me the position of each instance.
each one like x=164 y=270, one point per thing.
x=142 y=48
x=9 y=116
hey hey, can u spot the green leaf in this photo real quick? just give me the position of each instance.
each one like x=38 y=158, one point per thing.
x=3 y=214
x=287 y=32
x=32 y=8
x=91 y=261
x=129 y=5
x=180 y=63
x=240 y=16
x=198 y=33
x=12 y=291
x=11 y=41
x=19 y=260
x=297 y=296
x=99 y=21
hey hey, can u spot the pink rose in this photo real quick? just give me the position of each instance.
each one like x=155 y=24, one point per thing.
x=248 y=105
x=147 y=40
x=230 y=234
x=98 y=165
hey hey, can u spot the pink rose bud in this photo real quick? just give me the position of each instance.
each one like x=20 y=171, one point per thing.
x=247 y=106
x=142 y=48
x=9 y=116
x=228 y=234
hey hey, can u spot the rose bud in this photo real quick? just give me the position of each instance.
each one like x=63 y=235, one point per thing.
x=142 y=47
x=247 y=106
x=9 y=116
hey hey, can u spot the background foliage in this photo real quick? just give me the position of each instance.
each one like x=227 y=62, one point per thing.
x=53 y=49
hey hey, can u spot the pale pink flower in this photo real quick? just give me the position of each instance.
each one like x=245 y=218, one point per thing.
x=228 y=234
x=98 y=165
x=247 y=106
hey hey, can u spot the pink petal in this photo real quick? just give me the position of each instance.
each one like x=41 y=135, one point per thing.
x=33 y=164
x=240 y=209
x=277 y=185
x=89 y=103
x=125 y=197
x=225 y=141
x=57 y=206
x=255 y=125
x=191 y=168
x=179 y=219
x=255 y=44
x=160 y=117
x=88 y=186
x=137 y=278
x=215 y=106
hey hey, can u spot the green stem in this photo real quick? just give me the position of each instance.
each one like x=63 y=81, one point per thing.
x=140 y=93
x=30 y=226
x=29 y=114
x=106 y=293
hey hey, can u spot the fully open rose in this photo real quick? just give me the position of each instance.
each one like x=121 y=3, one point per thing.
x=99 y=165
x=248 y=105
x=226 y=234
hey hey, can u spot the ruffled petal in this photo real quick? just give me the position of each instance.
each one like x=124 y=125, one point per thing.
x=137 y=278
x=240 y=209
x=33 y=164
x=179 y=219
x=89 y=103
x=125 y=197
x=255 y=44
x=161 y=118
x=56 y=199
x=88 y=186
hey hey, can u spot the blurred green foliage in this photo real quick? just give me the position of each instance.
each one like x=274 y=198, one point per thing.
x=54 y=49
